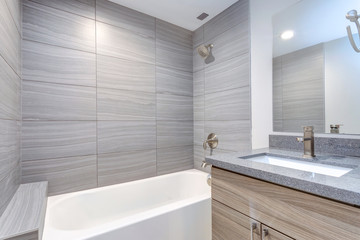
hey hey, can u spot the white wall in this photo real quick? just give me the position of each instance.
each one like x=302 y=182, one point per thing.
x=261 y=13
x=342 y=86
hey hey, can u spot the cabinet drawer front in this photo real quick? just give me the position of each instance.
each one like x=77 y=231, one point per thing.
x=228 y=224
x=297 y=214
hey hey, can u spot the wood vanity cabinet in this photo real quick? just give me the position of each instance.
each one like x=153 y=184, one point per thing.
x=250 y=209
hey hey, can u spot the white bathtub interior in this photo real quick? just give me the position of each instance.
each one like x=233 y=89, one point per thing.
x=176 y=206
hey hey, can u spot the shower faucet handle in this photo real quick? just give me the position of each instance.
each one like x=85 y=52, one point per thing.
x=212 y=141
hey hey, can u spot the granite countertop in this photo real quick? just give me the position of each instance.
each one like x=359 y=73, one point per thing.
x=345 y=188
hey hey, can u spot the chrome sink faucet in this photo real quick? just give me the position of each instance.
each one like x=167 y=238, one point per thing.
x=308 y=140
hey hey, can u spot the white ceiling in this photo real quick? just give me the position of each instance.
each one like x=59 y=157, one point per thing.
x=179 y=12
x=313 y=21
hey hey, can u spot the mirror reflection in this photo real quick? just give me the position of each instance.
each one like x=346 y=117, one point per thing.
x=316 y=71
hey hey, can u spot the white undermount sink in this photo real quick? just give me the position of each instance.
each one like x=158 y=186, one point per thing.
x=329 y=170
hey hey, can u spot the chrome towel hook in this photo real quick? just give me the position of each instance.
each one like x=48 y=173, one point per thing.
x=353 y=17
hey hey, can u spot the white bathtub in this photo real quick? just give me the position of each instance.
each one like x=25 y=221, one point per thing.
x=176 y=206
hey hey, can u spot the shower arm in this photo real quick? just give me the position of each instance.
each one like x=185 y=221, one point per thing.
x=351 y=39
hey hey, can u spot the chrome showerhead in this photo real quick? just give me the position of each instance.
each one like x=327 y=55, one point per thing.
x=352 y=15
x=204 y=50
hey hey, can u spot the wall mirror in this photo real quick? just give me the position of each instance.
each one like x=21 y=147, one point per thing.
x=316 y=72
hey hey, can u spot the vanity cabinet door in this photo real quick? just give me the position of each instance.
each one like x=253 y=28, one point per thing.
x=271 y=234
x=228 y=224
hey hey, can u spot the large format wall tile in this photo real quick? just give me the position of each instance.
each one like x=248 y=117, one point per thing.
x=174 y=107
x=47 y=101
x=170 y=33
x=173 y=47
x=14 y=7
x=120 y=16
x=118 y=136
x=55 y=27
x=199 y=108
x=8 y=187
x=45 y=63
x=55 y=139
x=199 y=83
x=232 y=135
x=85 y=8
x=9 y=38
x=174 y=133
x=9 y=147
x=116 y=73
x=228 y=105
x=237 y=13
x=9 y=92
x=122 y=43
x=63 y=174
x=231 y=43
x=122 y=167
x=174 y=81
x=198 y=37
x=199 y=134
x=227 y=75
x=174 y=159
x=115 y=104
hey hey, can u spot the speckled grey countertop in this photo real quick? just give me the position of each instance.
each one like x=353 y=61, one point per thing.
x=345 y=188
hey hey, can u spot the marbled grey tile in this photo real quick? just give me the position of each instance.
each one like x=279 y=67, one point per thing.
x=174 y=81
x=307 y=108
x=9 y=92
x=9 y=160
x=277 y=125
x=199 y=83
x=232 y=135
x=228 y=105
x=171 y=33
x=235 y=14
x=9 y=146
x=122 y=43
x=234 y=73
x=114 y=168
x=45 y=63
x=56 y=139
x=115 y=104
x=231 y=43
x=10 y=38
x=173 y=47
x=14 y=7
x=296 y=125
x=25 y=212
x=8 y=187
x=27 y=236
x=85 y=8
x=174 y=133
x=47 y=101
x=116 y=73
x=199 y=108
x=198 y=37
x=198 y=61
x=174 y=107
x=63 y=174
x=49 y=25
x=277 y=91
x=118 y=136
x=123 y=17
x=199 y=157
x=199 y=134
x=174 y=159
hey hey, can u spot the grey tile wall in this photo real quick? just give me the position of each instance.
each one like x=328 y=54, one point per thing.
x=107 y=95
x=221 y=88
x=299 y=91
x=10 y=95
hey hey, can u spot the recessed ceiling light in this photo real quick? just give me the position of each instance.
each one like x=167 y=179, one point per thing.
x=287 y=35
